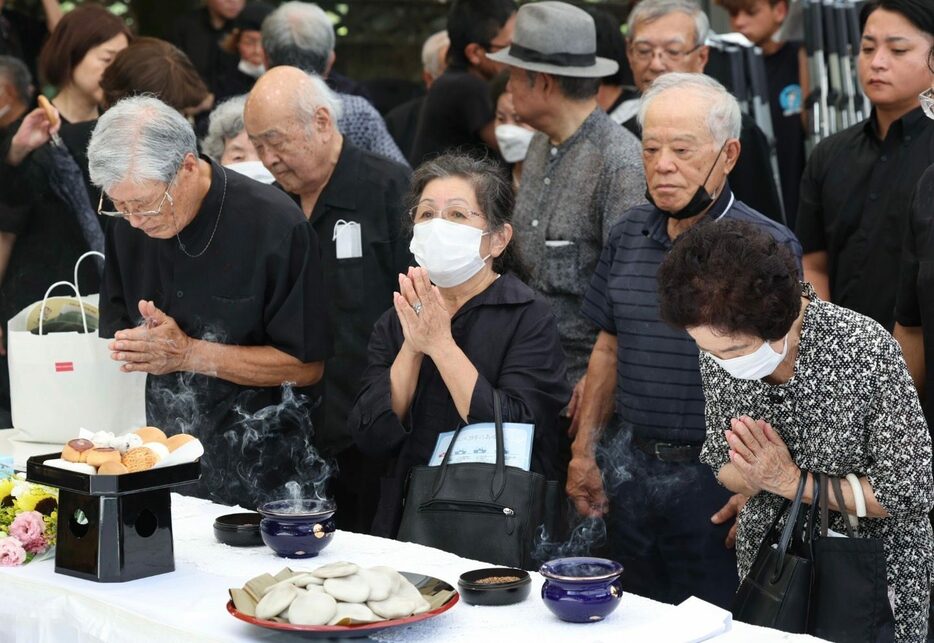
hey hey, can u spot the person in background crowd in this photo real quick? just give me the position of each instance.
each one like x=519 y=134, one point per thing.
x=796 y=386
x=402 y=120
x=617 y=95
x=75 y=56
x=299 y=34
x=16 y=91
x=353 y=200
x=857 y=185
x=668 y=521
x=437 y=356
x=458 y=113
x=219 y=267
x=228 y=143
x=512 y=135
x=786 y=69
x=200 y=34
x=245 y=44
x=669 y=35
x=22 y=36
x=581 y=173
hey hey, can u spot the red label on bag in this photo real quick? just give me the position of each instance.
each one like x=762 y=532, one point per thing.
x=64 y=367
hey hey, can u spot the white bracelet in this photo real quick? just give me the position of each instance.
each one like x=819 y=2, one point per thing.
x=858 y=498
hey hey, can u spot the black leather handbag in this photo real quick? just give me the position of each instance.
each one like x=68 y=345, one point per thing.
x=850 y=595
x=777 y=590
x=487 y=512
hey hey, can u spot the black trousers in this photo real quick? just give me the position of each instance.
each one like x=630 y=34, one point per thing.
x=659 y=528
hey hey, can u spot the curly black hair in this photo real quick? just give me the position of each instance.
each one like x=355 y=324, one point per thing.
x=733 y=277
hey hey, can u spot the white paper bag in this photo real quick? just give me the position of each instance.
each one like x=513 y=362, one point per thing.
x=61 y=382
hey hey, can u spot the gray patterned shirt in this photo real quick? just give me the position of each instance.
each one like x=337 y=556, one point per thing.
x=570 y=196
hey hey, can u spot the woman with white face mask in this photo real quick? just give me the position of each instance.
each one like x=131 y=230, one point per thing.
x=463 y=325
x=512 y=134
x=228 y=144
x=796 y=386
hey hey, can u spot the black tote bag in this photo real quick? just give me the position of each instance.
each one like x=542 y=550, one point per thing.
x=777 y=590
x=487 y=512
x=850 y=595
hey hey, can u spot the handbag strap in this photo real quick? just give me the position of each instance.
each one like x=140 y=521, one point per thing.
x=841 y=505
x=789 y=529
x=824 y=505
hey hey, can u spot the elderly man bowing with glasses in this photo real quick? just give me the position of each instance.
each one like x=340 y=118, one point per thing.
x=213 y=286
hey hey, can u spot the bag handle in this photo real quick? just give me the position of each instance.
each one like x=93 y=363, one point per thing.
x=87 y=254
x=824 y=506
x=84 y=316
x=841 y=505
x=789 y=528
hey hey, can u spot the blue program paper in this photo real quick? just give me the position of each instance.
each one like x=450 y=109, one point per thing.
x=477 y=443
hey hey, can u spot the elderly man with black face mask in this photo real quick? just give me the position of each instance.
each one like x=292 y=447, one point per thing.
x=668 y=521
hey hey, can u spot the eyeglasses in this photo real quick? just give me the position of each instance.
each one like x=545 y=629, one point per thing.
x=645 y=52
x=143 y=213
x=452 y=213
x=927 y=102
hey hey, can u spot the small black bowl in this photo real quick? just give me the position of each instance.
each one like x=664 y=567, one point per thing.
x=238 y=530
x=476 y=593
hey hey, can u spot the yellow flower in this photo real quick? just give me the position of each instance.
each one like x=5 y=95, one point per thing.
x=6 y=487
x=36 y=495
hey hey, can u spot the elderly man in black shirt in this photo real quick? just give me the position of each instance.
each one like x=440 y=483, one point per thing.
x=354 y=201
x=857 y=184
x=212 y=285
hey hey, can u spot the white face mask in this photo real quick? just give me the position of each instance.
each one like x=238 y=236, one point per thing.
x=449 y=251
x=250 y=69
x=513 y=142
x=253 y=169
x=760 y=363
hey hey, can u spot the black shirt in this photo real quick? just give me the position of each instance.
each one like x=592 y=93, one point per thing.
x=258 y=283
x=457 y=106
x=402 y=123
x=854 y=206
x=194 y=34
x=366 y=189
x=915 y=303
x=752 y=179
x=785 y=103
x=510 y=336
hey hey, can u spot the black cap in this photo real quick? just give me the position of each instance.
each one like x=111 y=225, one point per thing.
x=252 y=16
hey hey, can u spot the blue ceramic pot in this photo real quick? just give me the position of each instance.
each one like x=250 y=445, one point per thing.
x=583 y=589
x=297 y=528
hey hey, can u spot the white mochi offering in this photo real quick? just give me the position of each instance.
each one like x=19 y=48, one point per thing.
x=102 y=438
x=393 y=607
x=349 y=589
x=355 y=612
x=161 y=451
x=381 y=584
x=408 y=591
x=124 y=443
x=312 y=608
x=336 y=570
x=276 y=602
x=305 y=579
x=278 y=585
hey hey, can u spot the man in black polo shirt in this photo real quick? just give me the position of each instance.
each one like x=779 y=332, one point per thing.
x=857 y=184
x=667 y=518
x=458 y=112
x=212 y=286
x=354 y=201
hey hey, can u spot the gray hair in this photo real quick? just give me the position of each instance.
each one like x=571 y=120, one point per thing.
x=431 y=52
x=724 y=118
x=139 y=139
x=226 y=122
x=299 y=34
x=650 y=10
x=312 y=96
x=15 y=73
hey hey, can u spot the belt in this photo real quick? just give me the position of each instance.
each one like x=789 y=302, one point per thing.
x=668 y=451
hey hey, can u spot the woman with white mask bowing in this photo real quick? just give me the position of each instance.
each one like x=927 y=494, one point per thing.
x=463 y=325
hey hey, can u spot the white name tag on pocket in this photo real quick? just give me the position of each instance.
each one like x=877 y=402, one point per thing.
x=558 y=243
x=348 y=242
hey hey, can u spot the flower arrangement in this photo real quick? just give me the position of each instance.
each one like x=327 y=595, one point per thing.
x=28 y=520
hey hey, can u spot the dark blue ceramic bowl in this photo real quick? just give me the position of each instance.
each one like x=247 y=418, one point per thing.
x=297 y=528
x=581 y=589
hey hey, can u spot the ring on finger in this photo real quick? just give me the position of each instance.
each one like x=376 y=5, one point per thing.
x=417 y=307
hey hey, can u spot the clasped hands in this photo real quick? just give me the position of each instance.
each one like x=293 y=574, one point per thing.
x=761 y=457
x=158 y=346
x=426 y=323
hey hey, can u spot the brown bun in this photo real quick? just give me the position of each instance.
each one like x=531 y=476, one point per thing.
x=112 y=469
x=102 y=455
x=77 y=450
x=150 y=434
x=178 y=440
x=140 y=459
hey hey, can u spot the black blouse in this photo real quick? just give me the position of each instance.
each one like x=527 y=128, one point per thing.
x=510 y=336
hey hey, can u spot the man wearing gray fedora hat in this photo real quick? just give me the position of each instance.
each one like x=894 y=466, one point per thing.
x=582 y=170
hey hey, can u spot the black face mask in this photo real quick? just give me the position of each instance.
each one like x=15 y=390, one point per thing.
x=698 y=203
